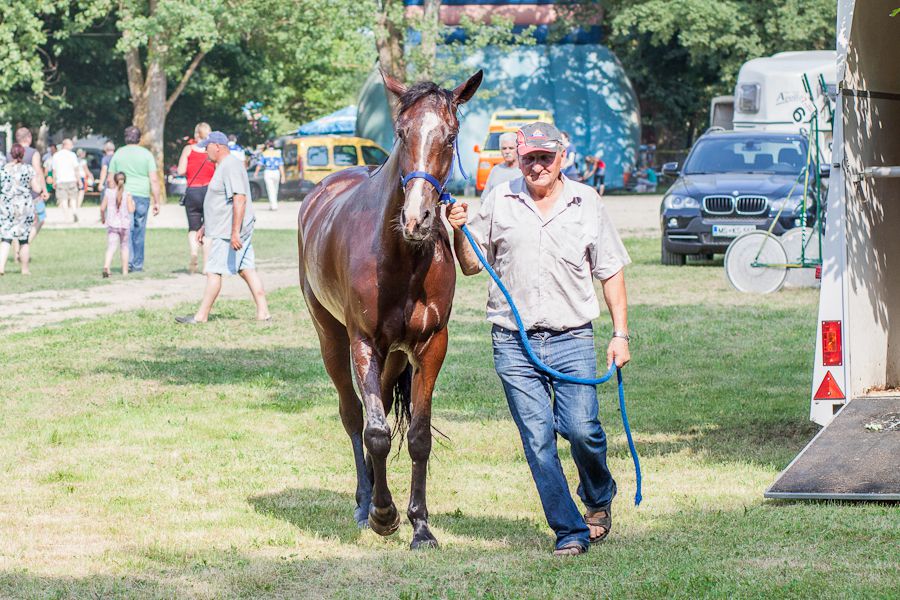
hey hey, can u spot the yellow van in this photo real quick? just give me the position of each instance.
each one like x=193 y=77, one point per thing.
x=510 y=119
x=309 y=159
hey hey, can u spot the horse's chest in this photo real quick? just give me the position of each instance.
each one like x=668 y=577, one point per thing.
x=423 y=319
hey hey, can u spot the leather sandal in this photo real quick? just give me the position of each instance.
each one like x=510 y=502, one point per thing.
x=570 y=549
x=601 y=517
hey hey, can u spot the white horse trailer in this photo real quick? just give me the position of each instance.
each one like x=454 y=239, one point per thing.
x=770 y=94
x=856 y=379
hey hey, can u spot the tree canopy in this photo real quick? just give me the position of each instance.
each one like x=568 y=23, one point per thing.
x=681 y=53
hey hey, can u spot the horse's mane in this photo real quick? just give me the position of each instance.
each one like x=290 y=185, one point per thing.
x=419 y=90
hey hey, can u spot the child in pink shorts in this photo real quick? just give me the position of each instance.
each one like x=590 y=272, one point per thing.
x=116 y=209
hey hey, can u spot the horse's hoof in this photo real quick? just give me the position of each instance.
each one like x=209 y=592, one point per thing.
x=384 y=521
x=424 y=543
x=422 y=537
x=361 y=516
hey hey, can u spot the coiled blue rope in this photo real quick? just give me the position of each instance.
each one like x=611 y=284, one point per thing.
x=446 y=198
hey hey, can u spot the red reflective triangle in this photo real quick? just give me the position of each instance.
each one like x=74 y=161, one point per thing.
x=829 y=390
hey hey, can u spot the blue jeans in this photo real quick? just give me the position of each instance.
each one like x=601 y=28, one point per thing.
x=543 y=408
x=138 y=230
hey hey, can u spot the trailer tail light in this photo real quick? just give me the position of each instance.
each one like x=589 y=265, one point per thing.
x=832 y=348
x=819 y=272
x=829 y=389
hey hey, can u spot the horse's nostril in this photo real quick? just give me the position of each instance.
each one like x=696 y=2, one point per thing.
x=426 y=214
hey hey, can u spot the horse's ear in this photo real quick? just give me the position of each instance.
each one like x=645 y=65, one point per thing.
x=393 y=85
x=464 y=92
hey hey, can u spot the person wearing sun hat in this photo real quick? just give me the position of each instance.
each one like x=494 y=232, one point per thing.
x=548 y=237
x=228 y=220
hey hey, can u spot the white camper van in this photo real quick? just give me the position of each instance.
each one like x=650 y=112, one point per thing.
x=770 y=94
x=856 y=375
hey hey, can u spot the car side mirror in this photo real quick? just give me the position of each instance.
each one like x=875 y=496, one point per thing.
x=671 y=169
x=477 y=149
x=824 y=170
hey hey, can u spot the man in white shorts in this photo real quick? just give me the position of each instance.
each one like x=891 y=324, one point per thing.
x=228 y=220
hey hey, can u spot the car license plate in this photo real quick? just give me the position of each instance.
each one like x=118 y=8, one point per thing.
x=731 y=230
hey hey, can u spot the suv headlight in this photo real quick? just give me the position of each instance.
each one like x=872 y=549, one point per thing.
x=676 y=201
x=788 y=205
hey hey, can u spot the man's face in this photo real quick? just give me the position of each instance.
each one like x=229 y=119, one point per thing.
x=216 y=151
x=541 y=168
x=508 y=152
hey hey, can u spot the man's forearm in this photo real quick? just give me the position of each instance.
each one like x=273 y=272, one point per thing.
x=617 y=300
x=240 y=206
x=468 y=260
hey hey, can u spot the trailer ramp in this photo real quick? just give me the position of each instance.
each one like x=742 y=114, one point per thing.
x=855 y=457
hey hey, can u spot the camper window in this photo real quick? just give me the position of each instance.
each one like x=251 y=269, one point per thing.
x=748 y=97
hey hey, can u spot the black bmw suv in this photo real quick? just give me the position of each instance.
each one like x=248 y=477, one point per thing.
x=733 y=182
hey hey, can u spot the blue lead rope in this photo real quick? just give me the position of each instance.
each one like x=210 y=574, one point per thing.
x=446 y=198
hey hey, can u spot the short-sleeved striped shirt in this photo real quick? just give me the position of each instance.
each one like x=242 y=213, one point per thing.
x=547 y=263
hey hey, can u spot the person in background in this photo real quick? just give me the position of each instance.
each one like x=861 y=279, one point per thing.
x=116 y=209
x=595 y=174
x=236 y=149
x=85 y=179
x=647 y=180
x=18 y=184
x=228 y=221
x=506 y=170
x=273 y=163
x=570 y=162
x=108 y=150
x=198 y=170
x=32 y=157
x=66 y=172
x=142 y=182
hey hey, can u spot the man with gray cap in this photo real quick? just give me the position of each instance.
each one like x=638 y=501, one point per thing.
x=547 y=236
x=506 y=170
x=228 y=221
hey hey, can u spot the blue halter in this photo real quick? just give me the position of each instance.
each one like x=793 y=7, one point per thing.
x=443 y=194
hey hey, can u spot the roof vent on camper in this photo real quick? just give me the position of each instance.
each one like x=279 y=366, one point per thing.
x=748 y=97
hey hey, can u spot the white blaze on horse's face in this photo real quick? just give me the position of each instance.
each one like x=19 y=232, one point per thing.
x=420 y=207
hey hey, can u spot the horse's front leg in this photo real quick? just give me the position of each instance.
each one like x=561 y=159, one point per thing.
x=429 y=358
x=368 y=364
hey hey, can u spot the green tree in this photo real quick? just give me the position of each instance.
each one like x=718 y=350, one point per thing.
x=681 y=53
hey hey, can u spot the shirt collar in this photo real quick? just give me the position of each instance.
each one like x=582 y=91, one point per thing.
x=568 y=197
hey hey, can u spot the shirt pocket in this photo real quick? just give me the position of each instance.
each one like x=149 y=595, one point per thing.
x=573 y=251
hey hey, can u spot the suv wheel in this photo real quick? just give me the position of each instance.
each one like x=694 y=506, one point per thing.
x=670 y=258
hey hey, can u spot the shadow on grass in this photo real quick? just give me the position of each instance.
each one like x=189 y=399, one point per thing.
x=218 y=366
x=768 y=443
x=327 y=513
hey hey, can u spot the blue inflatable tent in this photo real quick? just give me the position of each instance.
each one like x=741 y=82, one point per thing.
x=579 y=79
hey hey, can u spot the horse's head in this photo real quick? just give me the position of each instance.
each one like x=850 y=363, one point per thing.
x=426 y=130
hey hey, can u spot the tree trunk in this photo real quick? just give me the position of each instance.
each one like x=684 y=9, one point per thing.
x=390 y=38
x=430 y=28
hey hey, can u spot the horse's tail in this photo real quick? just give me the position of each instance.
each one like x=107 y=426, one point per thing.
x=403 y=401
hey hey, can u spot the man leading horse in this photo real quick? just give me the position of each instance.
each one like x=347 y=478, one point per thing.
x=546 y=236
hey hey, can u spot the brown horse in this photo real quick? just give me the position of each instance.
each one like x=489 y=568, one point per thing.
x=378 y=276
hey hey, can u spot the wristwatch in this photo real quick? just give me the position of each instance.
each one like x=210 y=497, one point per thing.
x=622 y=334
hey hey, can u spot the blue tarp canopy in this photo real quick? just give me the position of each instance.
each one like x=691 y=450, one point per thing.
x=339 y=122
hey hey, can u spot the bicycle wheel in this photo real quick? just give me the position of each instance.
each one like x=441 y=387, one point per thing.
x=741 y=255
x=791 y=240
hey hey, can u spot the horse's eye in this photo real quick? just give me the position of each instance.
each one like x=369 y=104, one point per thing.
x=451 y=140
x=401 y=135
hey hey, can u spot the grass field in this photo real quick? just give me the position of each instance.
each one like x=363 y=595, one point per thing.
x=143 y=460
x=73 y=258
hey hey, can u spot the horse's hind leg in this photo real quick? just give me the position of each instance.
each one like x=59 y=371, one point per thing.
x=368 y=364
x=335 y=347
x=429 y=359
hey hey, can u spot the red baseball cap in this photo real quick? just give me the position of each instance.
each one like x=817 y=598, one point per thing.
x=538 y=137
